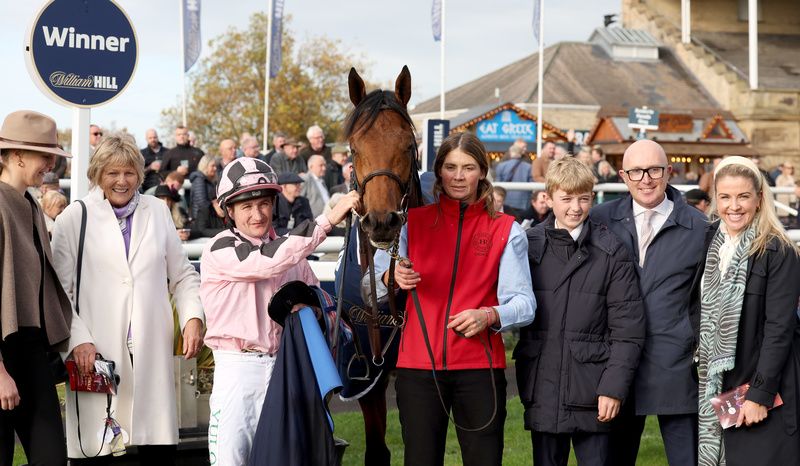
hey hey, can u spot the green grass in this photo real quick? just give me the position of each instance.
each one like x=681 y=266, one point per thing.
x=350 y=427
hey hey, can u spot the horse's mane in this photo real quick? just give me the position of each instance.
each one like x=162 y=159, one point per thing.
x=365 y=114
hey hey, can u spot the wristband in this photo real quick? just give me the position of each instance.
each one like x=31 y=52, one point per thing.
x=489 y=315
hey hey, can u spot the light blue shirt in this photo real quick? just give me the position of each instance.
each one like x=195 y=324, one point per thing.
x=517 y=305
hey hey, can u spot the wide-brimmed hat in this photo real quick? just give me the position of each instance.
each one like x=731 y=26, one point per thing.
x=29 y=130
x=163 y=190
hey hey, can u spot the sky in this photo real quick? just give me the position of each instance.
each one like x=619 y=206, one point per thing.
x=481 y=37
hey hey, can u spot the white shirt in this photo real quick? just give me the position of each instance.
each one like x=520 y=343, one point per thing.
x=661 y=211
x=575 y=233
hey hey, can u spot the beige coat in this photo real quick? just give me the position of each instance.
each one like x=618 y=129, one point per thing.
x=21 y=277
x=117 y=292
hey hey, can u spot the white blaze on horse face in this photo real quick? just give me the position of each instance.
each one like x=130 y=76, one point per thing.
x=460 y=175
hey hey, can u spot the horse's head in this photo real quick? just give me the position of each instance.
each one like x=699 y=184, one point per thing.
x=381 y=137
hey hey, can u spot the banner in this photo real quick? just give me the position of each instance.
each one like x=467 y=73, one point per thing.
x=191 y=33
x=277 y=33
x=536 y=18
x=436 y=20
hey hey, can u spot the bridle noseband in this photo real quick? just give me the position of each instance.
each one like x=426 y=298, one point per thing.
x=405 y=187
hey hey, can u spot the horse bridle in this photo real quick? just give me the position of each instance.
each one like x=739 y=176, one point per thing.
x=366 y=253
x=405 y=187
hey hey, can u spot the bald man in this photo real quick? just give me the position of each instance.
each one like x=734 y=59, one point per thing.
x=667 y=238
x=314 y=188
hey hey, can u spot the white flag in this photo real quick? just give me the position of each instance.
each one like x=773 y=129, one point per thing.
x=536 y=18
x=436 y=20
x=191 y=33
x=275 y=56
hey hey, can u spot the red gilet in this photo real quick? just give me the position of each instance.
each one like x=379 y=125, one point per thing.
x=439 y=234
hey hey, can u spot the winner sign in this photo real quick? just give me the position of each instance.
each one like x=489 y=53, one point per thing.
x=82 y=53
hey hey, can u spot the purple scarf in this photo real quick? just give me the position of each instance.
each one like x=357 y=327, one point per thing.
x=124 y=216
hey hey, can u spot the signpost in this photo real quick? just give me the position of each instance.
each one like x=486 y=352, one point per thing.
x=81 y=54
x=643 y=119
x=432 y=137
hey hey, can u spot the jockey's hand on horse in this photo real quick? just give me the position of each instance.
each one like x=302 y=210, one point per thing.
x=351 y=200
x=405 y=276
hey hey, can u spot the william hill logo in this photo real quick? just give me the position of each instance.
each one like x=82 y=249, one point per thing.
x=74 y=81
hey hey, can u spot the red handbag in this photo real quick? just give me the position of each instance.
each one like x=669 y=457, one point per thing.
x=102 y=380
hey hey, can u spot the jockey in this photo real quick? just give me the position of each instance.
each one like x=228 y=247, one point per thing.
x=241 y=269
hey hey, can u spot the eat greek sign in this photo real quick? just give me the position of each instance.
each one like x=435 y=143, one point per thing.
x=506 y=126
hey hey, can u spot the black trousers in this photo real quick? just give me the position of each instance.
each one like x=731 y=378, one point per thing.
x=468 y=394
x=37 y=419
x=148 y=455
x=678 y=431
x=591 y=449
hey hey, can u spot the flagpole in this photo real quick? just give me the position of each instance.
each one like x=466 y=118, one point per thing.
x=266 y=73
x=441 y=65
x=540 y=86
x=183 y=62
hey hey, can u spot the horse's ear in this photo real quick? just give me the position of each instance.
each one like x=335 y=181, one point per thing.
x=402 y=87
x=356 y=86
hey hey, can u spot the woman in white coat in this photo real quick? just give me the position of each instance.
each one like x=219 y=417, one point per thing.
x=132 y=262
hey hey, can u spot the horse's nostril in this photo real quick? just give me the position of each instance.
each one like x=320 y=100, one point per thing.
x=395 y=220
x=366 y=222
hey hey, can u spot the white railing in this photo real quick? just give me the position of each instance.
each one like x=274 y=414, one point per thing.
x=333 y=244
x=603 y=188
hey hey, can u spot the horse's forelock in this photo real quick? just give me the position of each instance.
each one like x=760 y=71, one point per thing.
x=366 y=113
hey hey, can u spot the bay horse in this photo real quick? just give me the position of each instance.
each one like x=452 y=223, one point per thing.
x=381 y=137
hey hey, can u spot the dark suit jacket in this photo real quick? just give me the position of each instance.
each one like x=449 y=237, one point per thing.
x=665 y=381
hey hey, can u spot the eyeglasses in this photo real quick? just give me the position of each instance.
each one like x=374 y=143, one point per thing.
x=637 y=174
x=97 y=134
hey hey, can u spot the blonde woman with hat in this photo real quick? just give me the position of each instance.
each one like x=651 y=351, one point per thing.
x=35 y=313
x=748 y=330
x=133 y=263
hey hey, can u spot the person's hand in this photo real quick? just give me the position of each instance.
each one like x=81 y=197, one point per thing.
x=571 y=135
x=607 y=408
x=351 y=200
x=471 y=322
x=9 y=396
x=183 y=234
x=751 y=413
x=156 y=165
x=192 y=338
x=217 y=208
x=405 y=276
x=84 y=355
x=183 y=170
x=297 y=307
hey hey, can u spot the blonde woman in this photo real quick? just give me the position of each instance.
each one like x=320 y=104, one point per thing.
x=748 y=324
x=53 y=203
x=133 y=261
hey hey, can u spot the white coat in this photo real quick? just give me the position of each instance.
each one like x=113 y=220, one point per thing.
x=117 y=292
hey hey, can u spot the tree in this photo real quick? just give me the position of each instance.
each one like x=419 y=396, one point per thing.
x=226 y=90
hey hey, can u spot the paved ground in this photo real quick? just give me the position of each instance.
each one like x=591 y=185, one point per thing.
x=339 y=406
